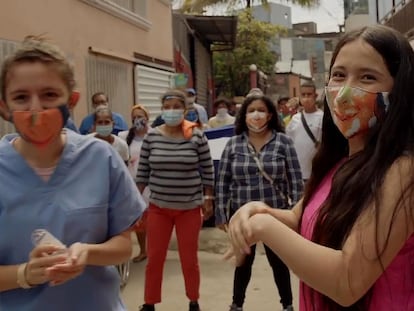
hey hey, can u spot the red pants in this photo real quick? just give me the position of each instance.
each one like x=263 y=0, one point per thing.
x=160 y=223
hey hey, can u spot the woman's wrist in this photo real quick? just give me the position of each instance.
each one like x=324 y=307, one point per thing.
x=88 y=249
x=258 y=222
x=22 y=276
x=261 y=208
x=208 y=197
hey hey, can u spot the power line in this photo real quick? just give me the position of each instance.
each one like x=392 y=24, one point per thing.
x=330 y=13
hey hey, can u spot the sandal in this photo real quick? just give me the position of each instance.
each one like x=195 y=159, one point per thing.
x=139 y=258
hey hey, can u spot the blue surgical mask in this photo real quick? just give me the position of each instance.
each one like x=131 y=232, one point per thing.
x=104 y=130
x=191 y=116
x=173 y=117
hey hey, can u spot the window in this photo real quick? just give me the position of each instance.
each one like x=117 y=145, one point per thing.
x=138 y=7
x=114 y=78
x=133 y=11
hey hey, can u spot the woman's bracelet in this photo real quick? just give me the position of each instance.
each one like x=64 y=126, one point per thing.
x=209 y=197
x=21 y=276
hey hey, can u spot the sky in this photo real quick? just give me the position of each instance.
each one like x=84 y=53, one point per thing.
x=327 y=16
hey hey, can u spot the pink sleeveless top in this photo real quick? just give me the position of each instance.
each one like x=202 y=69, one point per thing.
x=393 y=291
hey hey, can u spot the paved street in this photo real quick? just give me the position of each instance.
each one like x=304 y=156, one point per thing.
x=216 y=280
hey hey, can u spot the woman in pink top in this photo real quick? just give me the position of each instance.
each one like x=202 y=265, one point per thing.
x=350 y=239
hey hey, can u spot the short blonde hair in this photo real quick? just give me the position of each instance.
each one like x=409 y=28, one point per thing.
x=36 y=49
x=140 y=107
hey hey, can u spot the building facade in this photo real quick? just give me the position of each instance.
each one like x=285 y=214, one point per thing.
x=196 y=38
x=121 y=47
x=275 y=14
x=398 y=14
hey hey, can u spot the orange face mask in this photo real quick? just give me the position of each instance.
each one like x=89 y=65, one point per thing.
x=40 y=127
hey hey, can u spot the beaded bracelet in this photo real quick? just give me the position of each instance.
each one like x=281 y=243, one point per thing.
x=209 y=197
x=21 y=276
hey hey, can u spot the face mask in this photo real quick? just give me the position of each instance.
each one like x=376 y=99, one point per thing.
x=101 y=107
x=40 y=127
x=191 y=116
x=190 y=100
x=140 y=123
x=104 y=130
x=256 y=121
x=173 y=117
x=222 y=112
x=355 y=110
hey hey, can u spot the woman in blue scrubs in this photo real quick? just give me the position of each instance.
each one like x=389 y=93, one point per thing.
x=76 y=188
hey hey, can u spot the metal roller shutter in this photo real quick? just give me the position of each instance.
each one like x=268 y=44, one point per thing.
x=202 y=74
x=114 y=78
x=151 y=83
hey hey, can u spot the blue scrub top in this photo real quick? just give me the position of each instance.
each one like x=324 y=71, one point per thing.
x=119 y=124
x=90 y=198
x=71 y=125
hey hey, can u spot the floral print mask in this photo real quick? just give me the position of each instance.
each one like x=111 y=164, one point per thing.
x=355 y=110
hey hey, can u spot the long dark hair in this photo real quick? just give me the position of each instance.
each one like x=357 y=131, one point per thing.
x=358 y=181
x=274 y=123
x=131 y=135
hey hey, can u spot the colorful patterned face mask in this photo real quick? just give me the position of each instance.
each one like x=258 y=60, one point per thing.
x=40 y=127
x=140 y=123
x=355 y=110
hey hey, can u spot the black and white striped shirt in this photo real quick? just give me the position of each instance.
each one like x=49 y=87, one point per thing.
x=175 y=169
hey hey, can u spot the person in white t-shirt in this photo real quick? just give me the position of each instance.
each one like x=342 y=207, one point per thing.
x=134 y=137
x=305 y=128
x=104 y=123
x=222 y=117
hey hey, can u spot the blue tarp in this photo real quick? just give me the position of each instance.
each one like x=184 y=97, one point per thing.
x=225 y=131
x=217 y=139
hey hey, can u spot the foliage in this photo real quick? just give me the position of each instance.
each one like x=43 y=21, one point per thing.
x=253 y=41
x=197 y=6
x=253 y=44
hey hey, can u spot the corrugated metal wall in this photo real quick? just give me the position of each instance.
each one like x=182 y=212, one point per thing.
x=202 y=74
x=180 y=34
x=114 y=78
x=6 y=48
x=150 y=84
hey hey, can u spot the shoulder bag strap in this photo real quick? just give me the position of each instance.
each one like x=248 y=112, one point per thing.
x=308 y=130
x=264 y=174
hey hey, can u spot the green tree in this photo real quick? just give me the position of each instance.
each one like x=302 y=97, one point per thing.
x=197 y=6
x=231 y=68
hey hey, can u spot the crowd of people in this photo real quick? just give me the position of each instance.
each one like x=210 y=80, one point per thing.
x=327 y=189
